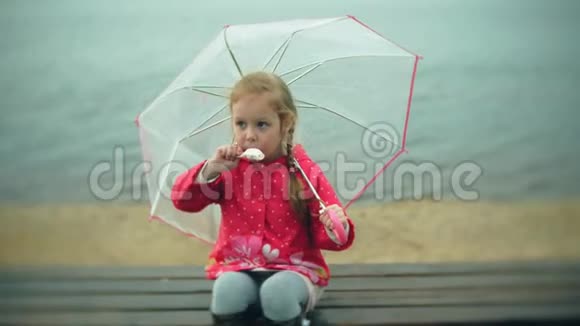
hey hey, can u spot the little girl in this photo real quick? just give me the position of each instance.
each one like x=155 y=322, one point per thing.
x=267 y=258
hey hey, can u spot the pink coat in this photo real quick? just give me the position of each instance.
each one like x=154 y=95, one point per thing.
x=259 y=229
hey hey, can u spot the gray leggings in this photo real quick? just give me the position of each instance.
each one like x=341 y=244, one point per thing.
x=281 y=295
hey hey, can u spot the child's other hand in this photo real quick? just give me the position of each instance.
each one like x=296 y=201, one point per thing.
x=325 y=218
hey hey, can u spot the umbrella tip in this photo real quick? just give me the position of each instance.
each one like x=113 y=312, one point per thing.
x=351 y=16
x=227 y=25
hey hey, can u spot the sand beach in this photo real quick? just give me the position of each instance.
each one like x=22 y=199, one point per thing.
x=411 y=231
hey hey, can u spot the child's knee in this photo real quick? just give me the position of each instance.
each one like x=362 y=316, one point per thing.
x=233 y=292
x=281 y=298
x=277 y=304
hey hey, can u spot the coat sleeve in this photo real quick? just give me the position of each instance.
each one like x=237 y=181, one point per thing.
x=323 y=238
x=191 y=196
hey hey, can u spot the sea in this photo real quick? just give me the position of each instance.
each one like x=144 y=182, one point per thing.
x=497 y=91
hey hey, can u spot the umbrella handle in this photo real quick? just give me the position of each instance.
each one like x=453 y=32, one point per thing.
x=337 y=227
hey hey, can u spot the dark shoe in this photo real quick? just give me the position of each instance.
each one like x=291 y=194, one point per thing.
x=240 y=319
x=293 y=322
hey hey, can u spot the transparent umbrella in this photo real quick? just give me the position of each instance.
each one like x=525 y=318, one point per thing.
x=352 y=86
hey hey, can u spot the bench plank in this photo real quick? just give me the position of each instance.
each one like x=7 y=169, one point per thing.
x=176 y=286
x=335 y=299
x=193 y=318
x=337 y=270
x=51 y=273
x=485 y=315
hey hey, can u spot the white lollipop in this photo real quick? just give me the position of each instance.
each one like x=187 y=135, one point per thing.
x=253 y=154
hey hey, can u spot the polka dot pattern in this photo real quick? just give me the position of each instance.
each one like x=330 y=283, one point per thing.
x=258 y=213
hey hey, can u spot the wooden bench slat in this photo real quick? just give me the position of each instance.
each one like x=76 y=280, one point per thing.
x=356 y=283
x=447 y=282
x=197 y=301
x=101 y=272
x=485 y=315
x=337 y=270
x=329 y=300
x=478 y=297
x=154 y=318
x=104 y=287
x=455 y=268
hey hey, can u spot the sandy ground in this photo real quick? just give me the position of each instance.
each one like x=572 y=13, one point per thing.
x=414 y=231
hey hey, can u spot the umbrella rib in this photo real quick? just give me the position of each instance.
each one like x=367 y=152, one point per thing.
x=232 y=53
x=305 y=73
x=284 y=51
x=197 y=89
x=207 y=92
x=349 y=119
x=204 y=86
x=197 y=131
x=194 y=88
x=335 y=59
x=164 y=177
x=286 y=43
x=191 y=133
x=283 y=45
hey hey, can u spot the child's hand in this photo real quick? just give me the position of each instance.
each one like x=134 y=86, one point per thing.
x=325 y=219
x=224 y=158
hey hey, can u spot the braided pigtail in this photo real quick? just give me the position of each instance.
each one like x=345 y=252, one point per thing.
x=299 y=204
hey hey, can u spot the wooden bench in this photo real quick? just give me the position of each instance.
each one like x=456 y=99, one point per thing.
x=378 y=294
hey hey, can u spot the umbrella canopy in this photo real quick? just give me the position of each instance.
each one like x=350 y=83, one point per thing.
x=352 y=87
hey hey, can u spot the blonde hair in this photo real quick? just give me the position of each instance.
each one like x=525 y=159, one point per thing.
x=282 y=101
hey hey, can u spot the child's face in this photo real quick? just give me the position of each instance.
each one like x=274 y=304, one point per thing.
x=257 y=125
